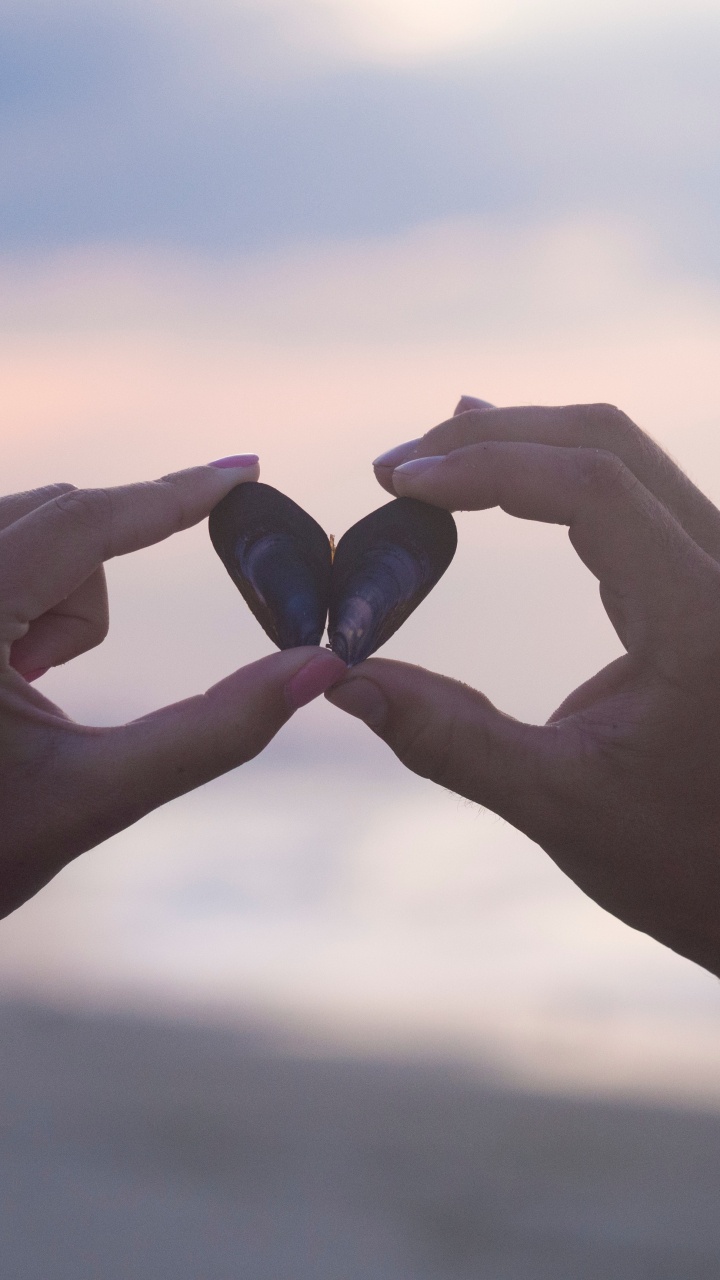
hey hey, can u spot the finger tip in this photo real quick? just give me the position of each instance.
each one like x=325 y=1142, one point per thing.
x=466 y=404
x=230 y=472
x=360 y=697
x=384 y=477
x=34 y=674
x=410 y=478
x=242 y=462
x=322 y=670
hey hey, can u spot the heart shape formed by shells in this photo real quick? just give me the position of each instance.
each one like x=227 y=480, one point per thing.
x=283 y=564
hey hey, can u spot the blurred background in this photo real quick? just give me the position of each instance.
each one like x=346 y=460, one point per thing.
x=305 y=229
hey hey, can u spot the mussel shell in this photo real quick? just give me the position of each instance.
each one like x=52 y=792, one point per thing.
x=384 y=567
x=279 y=559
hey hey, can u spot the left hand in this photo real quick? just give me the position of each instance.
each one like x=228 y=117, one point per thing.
x=65 y=787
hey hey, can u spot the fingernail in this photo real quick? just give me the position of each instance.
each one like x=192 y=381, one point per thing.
x=393 y=456
x=416 y=466
x=466 y=403
x=313 y=679
x=236 y=460
x=361 y=698
x=30 y=676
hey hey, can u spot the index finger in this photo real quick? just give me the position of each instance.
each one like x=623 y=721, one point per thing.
x=49 y=552
x=622 y=533
x=582 y=426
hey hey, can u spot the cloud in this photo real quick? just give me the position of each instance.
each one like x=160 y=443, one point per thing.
x=442 y=282
x=134 y=126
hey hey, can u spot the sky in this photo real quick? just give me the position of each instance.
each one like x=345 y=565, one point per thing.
x=306 y=229
x=225 y=134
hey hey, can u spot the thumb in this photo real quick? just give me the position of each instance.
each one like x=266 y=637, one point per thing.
x=145 y=763
x=452 y=734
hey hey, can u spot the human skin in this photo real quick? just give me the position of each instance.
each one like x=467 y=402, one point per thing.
x=622 y=786
x=65 y=787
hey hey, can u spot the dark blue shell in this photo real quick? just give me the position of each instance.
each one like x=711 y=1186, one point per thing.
x=279 y=559
x=384 y=567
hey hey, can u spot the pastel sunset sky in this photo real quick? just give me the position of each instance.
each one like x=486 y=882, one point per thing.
x=305 y=229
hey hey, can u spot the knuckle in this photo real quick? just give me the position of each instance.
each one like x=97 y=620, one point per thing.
x=91 y=507
x=605 y=425
x=57 y=490
x=80 y=634
x=97 y=630
x=14 y=506
x=47 y=492
x=93 y=635
x=600 y=471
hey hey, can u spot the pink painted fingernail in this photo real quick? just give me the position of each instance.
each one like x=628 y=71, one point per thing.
x=393 y=456
x=236 y=460
x=30 y=676
x=313 y=679
x=416 y=466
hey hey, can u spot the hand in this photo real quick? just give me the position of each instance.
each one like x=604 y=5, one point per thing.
x=64 y=787
x=622 y=786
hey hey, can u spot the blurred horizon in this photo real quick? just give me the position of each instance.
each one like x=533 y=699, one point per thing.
x=307 y=229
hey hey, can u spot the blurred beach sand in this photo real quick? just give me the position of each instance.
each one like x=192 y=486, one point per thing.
x=137 y=1150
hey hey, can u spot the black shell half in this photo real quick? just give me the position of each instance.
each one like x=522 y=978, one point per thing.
x=279 y=559
x=383 y=568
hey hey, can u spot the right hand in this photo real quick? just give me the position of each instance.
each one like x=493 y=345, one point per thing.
x=622 y=785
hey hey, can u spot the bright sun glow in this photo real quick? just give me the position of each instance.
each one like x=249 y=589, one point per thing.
x=399 y=30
